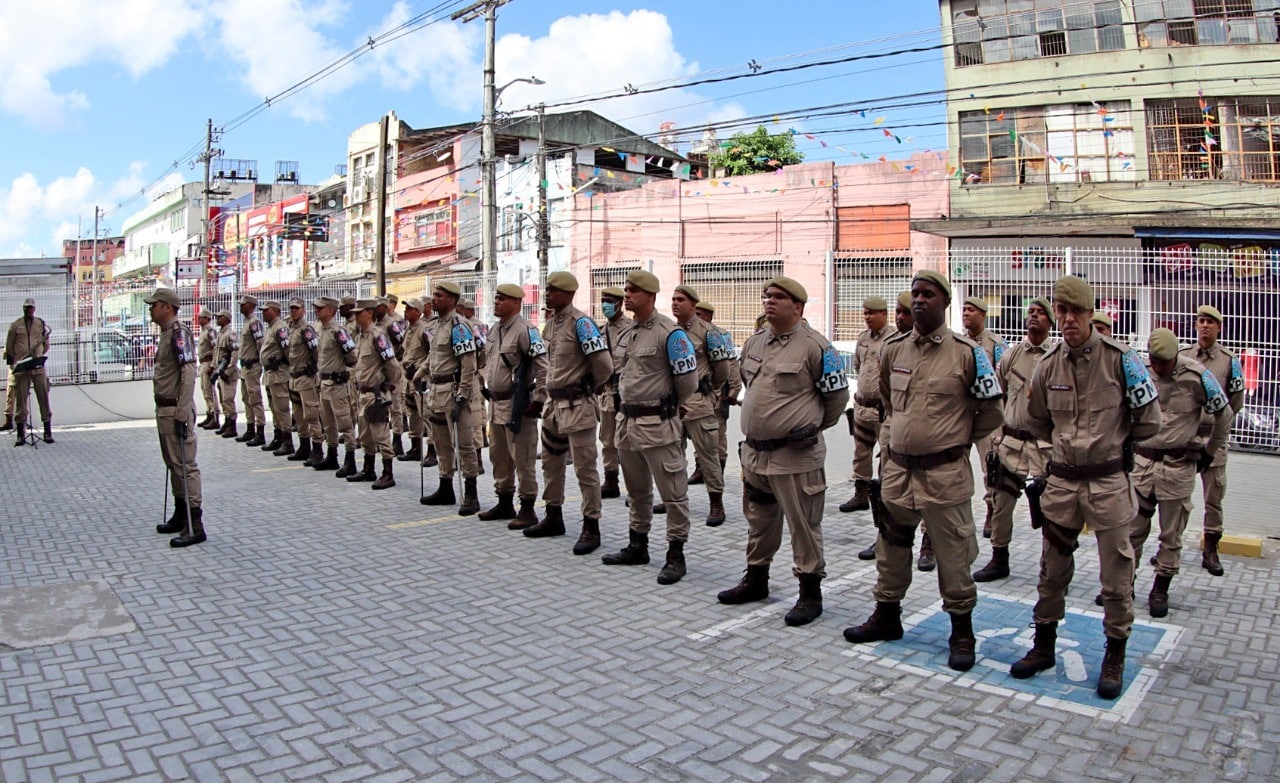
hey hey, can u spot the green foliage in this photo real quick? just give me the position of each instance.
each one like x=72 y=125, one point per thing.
x=757 y=151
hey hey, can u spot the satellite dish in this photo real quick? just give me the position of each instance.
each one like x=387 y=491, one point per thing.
x=332 y=203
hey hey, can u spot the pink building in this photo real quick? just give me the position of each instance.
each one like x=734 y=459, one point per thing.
x=843 y=231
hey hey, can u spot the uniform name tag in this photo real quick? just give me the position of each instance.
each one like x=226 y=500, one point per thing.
x=900 y=369
x=1060 y=387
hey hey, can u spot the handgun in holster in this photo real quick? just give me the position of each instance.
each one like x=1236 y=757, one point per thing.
x=850 y=417
x=1035 y=487
x=670 y=406
x=993 y=469
x=723 y=407
x=879 y=515
x=803 y=437
x=1127 y=454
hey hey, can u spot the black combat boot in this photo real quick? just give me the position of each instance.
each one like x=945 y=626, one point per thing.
x=636 y=552
x=754 y=586
x=368 y=473
x=527 y=517
x=552 y=524
x=962 y=643
x=277 y=435
x=8 y=423
x=589 y=539
x=1111 y=681
x=250 y=430
x=673 y=570
x=213 y=422
x=259 y=437
x=414 y=454
x=196 y=536
x=203 y=424
x=348 y=468
x=176 y=523
x=610 y=488
x=330 y=461
x=696 y=477
x=387 y=479
x=861 y=500
x=470 y=499
x=22 y=434
x=1041 y=656
x=927 y=562
x=48 y=432
x=229 y=429
x=884 y=625
x=716 y=515
x=397 y=444
x=998 y=568
x=480 y=460
x=1158 y=599
x=1209 y=560
x=809 y=605
x=430 y=460
x=503 y=510
x=285 y=447
x=303 y=453
x=443 y=496
x=869 y=553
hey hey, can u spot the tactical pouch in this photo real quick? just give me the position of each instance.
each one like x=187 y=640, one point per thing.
x=378 y=411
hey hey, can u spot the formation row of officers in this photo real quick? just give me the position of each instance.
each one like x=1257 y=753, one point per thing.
x=1066 y=417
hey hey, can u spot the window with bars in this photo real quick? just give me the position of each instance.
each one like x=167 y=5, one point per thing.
x=431 y=229
x=1087 y=142
x=1215 y=138
x=511 y=229
x=1206 y=22
x=864 y=276
x=734 y=287
x=993 y=31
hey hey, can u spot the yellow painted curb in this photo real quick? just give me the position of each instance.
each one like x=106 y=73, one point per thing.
x=1243 y=546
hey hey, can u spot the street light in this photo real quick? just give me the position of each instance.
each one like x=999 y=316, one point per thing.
x=488 y=201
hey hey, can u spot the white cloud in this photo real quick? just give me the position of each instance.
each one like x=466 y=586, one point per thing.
x=444 y=54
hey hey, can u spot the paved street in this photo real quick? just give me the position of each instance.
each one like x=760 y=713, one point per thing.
x=328 y=632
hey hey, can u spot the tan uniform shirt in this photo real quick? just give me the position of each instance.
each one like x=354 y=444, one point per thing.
x=208 y=344
x=274 y=350
x=416 y=349
x=575 y=349
x=454 y=352
x=337 y=350
x=251 y=334
x=1226 y=368
x=613 y=331
x=866 y=363
x=713 y=369
x=175 y=372
x=228 y=352
x=794 y=380
x=1191 y=391
x=1022 y=455
x=1087 y=401
x=26 y=339
x=303 y=353
x=655 y=361
x=512 y=342
x=376 y=369
x=735 y=366
x=993 y=344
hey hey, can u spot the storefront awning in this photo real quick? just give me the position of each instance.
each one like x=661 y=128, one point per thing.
x=1232 y=234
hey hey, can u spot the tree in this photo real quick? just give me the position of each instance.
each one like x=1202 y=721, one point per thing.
x=757 y=151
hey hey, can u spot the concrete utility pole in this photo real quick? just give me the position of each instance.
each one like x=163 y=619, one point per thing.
x=544 y=211
x=94 y=289
x=206 y=158
x=379 y=221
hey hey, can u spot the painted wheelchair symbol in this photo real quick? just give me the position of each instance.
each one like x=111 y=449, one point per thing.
x=998 y=648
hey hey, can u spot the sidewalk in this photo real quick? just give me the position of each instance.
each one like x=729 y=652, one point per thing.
x=328 y=632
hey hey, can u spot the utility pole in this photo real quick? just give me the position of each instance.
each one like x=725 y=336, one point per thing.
x=380 y=218
x=75 y=294
x=544 y=211
x=206 y=158
x=94 y=289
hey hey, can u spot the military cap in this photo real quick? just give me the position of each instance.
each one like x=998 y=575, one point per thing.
x=297 y=302
x=1043 y=303
x=327 y=301
x=512 y=290
x=249 y=299
x=449 y=288
x=1209 y=311
x=1162 y=345
x=1073 y=291
x=1100 y=317
x=413 y=304
x=348 y=300
x=271 y=304
x=710 y=308
x=615 y=292
x=379 y=300
x=904 y=299
x=205 y=315
x=689 y=292
x=166 y=295
x=366 y=304
x=28 y=302
x=393 y=299
x=563 y=281
x=937 y=278
x=221 y=313
x=792 y=287
x=645 y=281
x=977 y=302
x=875 y=304
x=467 y=303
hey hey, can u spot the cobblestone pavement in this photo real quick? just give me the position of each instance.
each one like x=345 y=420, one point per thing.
x=327 y=632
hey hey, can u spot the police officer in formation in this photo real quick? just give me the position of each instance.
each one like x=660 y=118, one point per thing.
x=1166 y=463
x=226 y=372
x=728 y=392
x=973 y=315
x=1017 y=454
x=479 y=419
x=868 y=412
x=205 y=352
x=304 y=394
x=336 y=354
x=796 y=388
x=416 y=349
x=251 y=338
x=454 y=379
x=273 y=353
x=616 y=324
x=377 y=374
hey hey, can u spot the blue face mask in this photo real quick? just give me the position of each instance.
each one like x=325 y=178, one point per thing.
x=610 y=309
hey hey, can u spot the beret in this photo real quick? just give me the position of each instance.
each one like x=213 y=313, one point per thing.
x=1073 y=291
x=413 y=304
x=710 y=308
x=205 y=315
x=1162 y=345
x=792 y=287
x=937 y=278
x=28 y=302
x=1100 y=317
x=614 y=291
x=1043 y=303
x=324 y=301
x=645 y=281
x=512 y=290
x=467 y=303
x=392 y=299
x=271 y=304
x=221 y=313
x=449 y=288
x=348 y=301
x=1209 y=311
x=688 y=291
x=875 y=304
x=904 y=299
x=166 y=295
x=249 y=299
x=367 y=304
x=977 y=302
x=296 y=302
x=563 y=281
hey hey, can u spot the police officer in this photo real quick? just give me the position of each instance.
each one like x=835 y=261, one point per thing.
x=430 y=321
x=728 y=393
x=174 y=387
x=304 y=394
x=516 y=379
x=868 y=413
x=25 y=348
x=454 y=374
x=1226 y=368
x=205 y=351
x=1102 y=323
x=274 y=356
x=616 y=324
x=1166 y=463
x=942 y=394
x=377 y=373
x=336 y=354
x=578 y=367
x=414 y=361
x=1089 y=395
x=796 y=389
x=391 y=323
x=699 y=411
x=1018 y=454
x=973 y=315
x=478 y=417
x=227 y=372
x=657 y=372
x=348 y=312
x=251 y=335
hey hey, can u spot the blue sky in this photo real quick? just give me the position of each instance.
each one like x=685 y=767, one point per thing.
x=99 y=100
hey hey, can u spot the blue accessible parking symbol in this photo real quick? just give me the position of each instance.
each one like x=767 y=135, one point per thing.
x=1004 y=633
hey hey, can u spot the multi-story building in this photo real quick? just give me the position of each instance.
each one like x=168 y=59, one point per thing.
x=84 y=266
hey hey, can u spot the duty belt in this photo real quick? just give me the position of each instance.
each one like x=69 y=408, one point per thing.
x=302 y=373
x=247 y=363
x=500 y=396
x=1178 y=452
x=449 y=378
x=635 y=411
x=1013 y=432
x=1086 y=472
x=930 y=460
x=166 y=402
x=866 y=400
x=573 y=393
x=769 y=444
x=339 y=377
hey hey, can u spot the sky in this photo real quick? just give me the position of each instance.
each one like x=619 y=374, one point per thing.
x=103 y=104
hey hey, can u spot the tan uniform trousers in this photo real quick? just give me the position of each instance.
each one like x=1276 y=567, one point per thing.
x=955 y=546
x=353 y=404
x=1019 y=459
x=208 y=389
x=799 y=498
x=703 y=433
x=304 y=399
x=227 y=393
x=442 y=433
x=662 y=467
x=399 y=409
x=251 y=394
x=335 y=413
x=24 y=381
x=983 y=447
x=722 y=439
x=1174 y=516
x=179 y=454
x=608 y=432
x=1214 y=483
x=10 y=392
x=278 y=399
x=1115 y=555
x=581 y=444
x=375 y=436
x=866 y=431
x=480 y=417
x=415 y=407
x=513 y=458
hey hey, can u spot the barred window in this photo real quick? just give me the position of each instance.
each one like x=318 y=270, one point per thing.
x=734 y=287
x=993 y=31
x=860 y=277
x=1088 y=142
x=1214 y=138
x=1206 y=22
